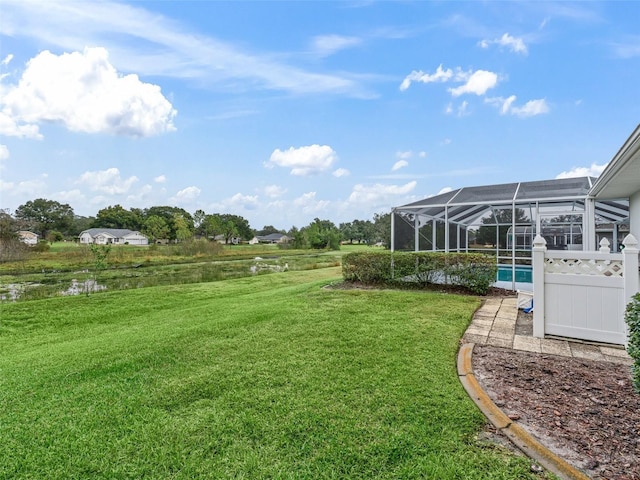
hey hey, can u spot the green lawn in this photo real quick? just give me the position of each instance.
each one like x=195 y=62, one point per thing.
x=259 y=377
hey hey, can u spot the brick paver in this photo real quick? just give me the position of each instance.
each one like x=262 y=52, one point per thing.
x=494 y=323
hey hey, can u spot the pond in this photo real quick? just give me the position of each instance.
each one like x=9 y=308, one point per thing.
x=53 y=284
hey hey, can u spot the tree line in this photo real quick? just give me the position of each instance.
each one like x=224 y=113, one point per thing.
x=56 y=221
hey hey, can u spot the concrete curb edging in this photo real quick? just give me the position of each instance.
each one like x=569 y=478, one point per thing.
x=514 y=432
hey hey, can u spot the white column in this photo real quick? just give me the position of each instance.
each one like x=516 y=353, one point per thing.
x=631 y=274
x=393 y=230
x=446 y=229
x=537 y=261
x=393 y=237
x=434 y=237
x=634 y=214
x=466 y=239
x=589 y=226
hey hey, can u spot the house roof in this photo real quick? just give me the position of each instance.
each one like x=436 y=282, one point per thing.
x=272 y=237
x=621 y=177
x=114 y=232
x=466 y=205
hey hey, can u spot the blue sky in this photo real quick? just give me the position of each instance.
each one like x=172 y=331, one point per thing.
x=286 y=111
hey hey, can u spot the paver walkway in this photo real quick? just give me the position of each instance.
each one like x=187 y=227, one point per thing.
x=494 y=323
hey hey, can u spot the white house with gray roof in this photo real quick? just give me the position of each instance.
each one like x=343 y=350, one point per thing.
x=113 y=236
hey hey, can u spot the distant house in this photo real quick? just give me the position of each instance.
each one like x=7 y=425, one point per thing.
x=223 y=239
x=271 y=238
x=28 y=238
x=113 y=236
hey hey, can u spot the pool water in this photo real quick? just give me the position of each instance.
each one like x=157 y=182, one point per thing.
x=524 y=273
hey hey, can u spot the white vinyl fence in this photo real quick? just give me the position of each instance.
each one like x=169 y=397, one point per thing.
x=584 y=294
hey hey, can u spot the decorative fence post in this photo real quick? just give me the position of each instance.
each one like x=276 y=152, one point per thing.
x=631 y=271
x=537 y=260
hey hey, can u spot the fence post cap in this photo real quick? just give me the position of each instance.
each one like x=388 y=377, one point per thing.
x=539 y=242
x=630 y=242
x=604 y=245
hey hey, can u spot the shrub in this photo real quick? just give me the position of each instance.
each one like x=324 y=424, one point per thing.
x=632 y=317
x=201 y=247
x=367 y=267
x=475 y=272
x=12 y=250
x=42 y=246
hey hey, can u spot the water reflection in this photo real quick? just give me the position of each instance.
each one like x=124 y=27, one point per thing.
x=86 y=286
x=31 y=290
x=14 y=291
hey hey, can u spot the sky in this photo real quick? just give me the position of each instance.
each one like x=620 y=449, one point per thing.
x=283 y=112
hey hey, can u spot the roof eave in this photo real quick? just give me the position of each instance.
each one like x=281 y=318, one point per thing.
x=620 y=165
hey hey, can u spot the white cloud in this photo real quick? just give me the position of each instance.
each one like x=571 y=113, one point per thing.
x=529 y=109
x=304 y=160
x=141 y=195
x=85 y=93
x=10 y=127
x=247 y=202
x=326 y=45
x=404 y=155
x=440 y=75
x=276 y=204
x=171 y=48
x=34 y=188
x=477 y=83
x=274 y=191
x=186 y=195
x=6 y=60
x=379 y=194
x=4 y=153
x=160 y=179
x=239 y=204
x=629 y=48
x=399 y=164
x=71 y=197
x=309 y=205
x=422 y=154
x=506 y=106
x=341 y=172
x=107 y=181
x=592 y=171
x=6 y=186
x=445 y=190
x=462 y=109
x=514 y=44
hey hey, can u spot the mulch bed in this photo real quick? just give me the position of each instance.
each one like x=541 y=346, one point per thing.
x=585 y=411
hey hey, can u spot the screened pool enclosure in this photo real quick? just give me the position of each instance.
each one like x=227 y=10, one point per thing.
x=504 y=219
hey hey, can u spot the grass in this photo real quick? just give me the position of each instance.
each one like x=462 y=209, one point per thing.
x=260 y=377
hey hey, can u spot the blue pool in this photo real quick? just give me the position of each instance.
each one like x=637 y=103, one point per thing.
x=524 y=273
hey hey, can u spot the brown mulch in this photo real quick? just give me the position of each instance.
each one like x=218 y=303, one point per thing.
x=585 y=411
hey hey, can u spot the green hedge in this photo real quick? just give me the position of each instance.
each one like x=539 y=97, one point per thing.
x=476 y=272
x=632 y=317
